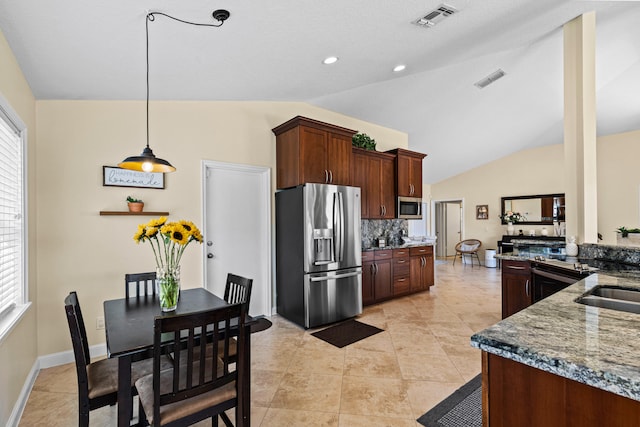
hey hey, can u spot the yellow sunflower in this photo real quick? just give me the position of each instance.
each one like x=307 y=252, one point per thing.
x=158 y=222
x=179 y=234
x=151 y=231
x=140 y=234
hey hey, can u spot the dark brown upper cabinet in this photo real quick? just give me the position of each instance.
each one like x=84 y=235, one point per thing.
x=408 y=172
x=308 y=150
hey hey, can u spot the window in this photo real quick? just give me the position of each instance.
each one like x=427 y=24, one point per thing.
x=12 y=218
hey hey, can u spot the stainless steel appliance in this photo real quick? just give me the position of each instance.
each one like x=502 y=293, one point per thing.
x=409 y=208
x=318 y=254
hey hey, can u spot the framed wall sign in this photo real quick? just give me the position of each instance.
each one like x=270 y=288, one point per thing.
x=117 y=177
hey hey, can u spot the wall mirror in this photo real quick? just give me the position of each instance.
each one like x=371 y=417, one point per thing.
x=539 y=209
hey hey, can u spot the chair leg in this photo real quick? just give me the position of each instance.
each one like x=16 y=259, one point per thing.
x=225 y=419
x=83 y=420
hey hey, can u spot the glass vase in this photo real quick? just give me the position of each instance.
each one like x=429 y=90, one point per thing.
x=168 y=282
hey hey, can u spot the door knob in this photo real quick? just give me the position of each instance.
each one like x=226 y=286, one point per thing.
x=209 y=255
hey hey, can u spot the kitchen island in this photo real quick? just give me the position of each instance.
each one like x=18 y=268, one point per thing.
x=561 y=363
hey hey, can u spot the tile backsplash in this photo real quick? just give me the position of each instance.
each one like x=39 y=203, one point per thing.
x=391 y=229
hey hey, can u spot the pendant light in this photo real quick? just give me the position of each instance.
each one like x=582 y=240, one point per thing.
x=147 y=161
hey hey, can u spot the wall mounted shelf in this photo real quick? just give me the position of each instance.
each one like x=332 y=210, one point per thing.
x=110 y=213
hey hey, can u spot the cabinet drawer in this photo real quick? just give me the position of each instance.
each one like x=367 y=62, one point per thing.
x=401 y=285
x=383 y=254
x=516 y=267
x=401 y=267
x=367 y=256
x=401 y=253
x=421 y=250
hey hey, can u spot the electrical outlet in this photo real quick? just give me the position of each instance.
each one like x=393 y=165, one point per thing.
x=99 y=323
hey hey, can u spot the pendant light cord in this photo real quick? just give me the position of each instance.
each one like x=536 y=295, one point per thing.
x=219 y=15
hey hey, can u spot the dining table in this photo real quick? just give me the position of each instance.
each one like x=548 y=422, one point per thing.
x=129 y=324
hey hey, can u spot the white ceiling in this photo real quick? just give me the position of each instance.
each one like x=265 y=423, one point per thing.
x=272 y=50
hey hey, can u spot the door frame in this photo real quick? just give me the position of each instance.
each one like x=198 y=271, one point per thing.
x=433 y=217
x=264 y=217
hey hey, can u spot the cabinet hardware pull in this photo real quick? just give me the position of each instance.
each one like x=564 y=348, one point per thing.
x=515 y=267
x=330 y=176
x=401 y=280
x=401 y=261
x=526 y=286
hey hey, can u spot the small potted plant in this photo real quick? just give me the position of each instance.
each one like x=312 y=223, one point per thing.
x=362 y=140
x=135 y=205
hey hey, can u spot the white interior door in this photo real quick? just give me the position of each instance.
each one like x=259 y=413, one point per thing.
x=237 y=230
x=454 y=229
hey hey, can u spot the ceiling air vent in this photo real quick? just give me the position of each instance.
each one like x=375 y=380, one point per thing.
x=432 y=18
x=498 y=74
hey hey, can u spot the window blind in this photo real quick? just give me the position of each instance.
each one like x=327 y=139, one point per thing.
x=11 y=215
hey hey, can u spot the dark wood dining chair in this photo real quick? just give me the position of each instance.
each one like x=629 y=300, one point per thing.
x=143 y=283
x=198 y=387
x=237 y=291
x=97 y=381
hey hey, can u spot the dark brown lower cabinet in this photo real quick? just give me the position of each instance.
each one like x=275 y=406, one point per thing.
x=376 y=276
x=422 y=274
x=514 y=394
x=390 y=273
x=517 y=290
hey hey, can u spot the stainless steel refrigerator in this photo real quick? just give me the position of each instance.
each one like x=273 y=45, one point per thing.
x=318 y=254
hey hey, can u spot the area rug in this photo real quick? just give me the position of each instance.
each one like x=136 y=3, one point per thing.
x=463 y=408
x=346 y=333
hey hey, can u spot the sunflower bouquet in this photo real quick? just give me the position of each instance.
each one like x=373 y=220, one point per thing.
x=168 y=241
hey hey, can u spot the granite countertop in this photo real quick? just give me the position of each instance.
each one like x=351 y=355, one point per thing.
x=594 y=346
x=404 y=245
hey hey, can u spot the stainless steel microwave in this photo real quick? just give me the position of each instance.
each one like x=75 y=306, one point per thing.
x=409 y=208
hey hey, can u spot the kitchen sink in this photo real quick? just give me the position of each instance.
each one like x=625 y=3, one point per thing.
x=613 y=298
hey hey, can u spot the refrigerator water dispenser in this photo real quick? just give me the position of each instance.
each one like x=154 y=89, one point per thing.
x=323 y=246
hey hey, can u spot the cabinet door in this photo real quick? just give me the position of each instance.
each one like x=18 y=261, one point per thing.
x=409 y=175
x=387 y=188
x=313 y=153
x=359 y=178
x=374 y=165
x=383 y=280
x=339 y=159
x=404 y=176
x=416 y=273
x=429 y=276
x=517 y=293
x=368 y=296
x=415 y=171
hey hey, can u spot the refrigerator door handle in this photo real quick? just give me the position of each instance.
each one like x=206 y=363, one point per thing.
x=333 y=277
x=338 y=226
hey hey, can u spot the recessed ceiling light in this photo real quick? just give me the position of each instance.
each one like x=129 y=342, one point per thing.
x=330 y=60
x=398 y=68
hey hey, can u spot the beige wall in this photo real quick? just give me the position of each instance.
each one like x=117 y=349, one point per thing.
x=618 y=184
x=540 y=171
x=18 y=350
x=82 y=251
x=535 y=171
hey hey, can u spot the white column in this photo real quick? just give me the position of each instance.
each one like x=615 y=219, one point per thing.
x=580 y=128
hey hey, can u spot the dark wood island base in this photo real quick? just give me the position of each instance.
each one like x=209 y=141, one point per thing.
x=515 y=394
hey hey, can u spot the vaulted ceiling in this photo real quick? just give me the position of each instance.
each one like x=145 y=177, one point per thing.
x=273 y=50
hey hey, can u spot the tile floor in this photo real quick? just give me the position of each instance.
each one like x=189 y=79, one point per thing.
x=389 y=379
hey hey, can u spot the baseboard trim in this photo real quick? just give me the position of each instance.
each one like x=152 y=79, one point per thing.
x=18 y=408
x=43 y=362
x=57 y=359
